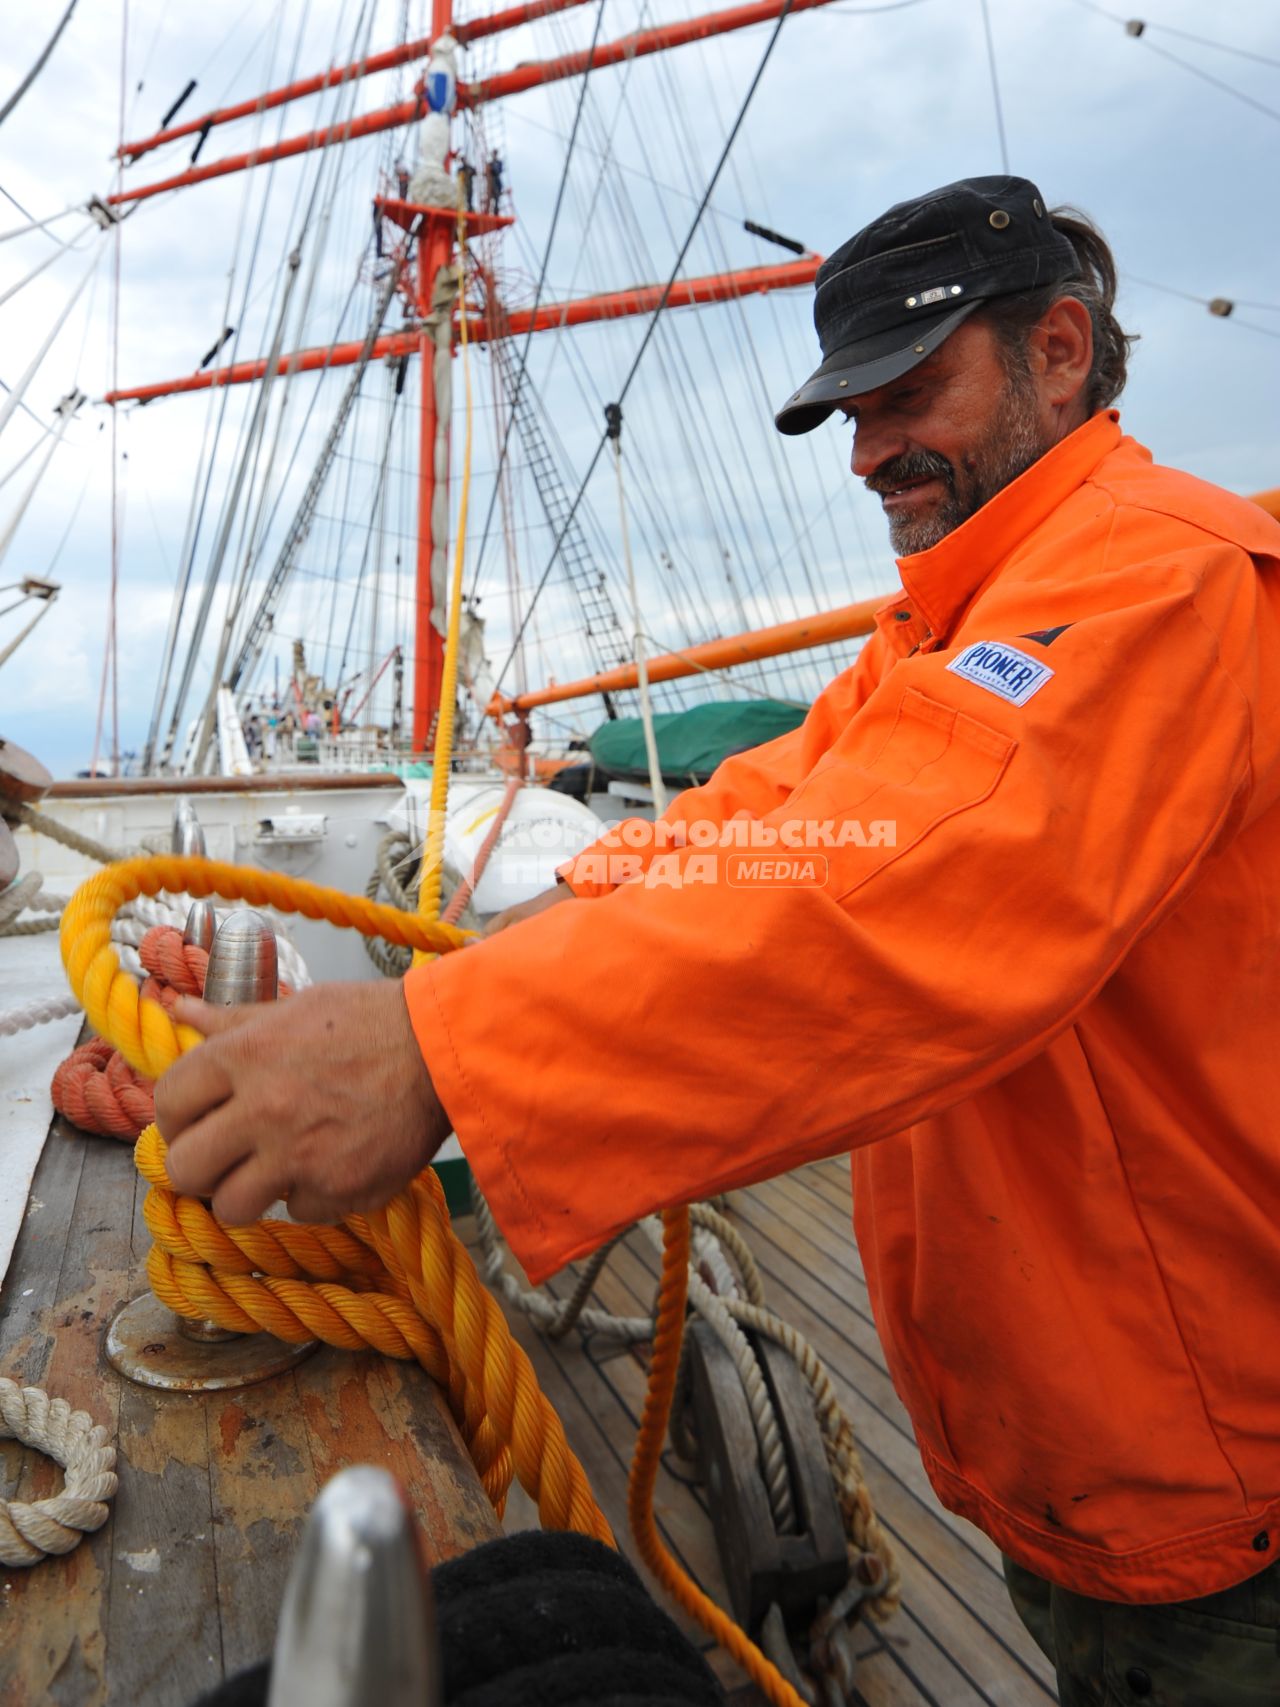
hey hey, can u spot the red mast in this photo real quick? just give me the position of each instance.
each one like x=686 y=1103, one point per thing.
x=435 y=227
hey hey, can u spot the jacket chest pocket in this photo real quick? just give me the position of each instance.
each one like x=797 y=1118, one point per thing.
x=875 y=802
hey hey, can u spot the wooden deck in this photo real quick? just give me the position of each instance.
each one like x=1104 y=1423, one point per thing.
x=183 y=1584
x=956 y=1641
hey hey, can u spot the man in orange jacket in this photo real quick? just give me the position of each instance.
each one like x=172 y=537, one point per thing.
x=1021 y=961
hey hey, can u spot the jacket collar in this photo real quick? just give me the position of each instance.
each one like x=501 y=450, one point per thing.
x=940 y=582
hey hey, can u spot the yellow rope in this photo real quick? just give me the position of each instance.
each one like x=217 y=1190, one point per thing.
x=399 y=1280
x=414 y=1291
x=432 y=874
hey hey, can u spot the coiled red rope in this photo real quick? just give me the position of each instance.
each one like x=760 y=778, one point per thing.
x=95 y=1088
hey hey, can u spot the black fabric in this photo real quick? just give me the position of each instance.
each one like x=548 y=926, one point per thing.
x=544 y=1620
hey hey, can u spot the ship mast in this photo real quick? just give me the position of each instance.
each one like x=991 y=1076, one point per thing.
x=433 y=279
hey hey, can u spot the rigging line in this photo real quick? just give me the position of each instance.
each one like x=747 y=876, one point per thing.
x=538 y=289
x=110 y=654
x=26 y=410
x=39 y=65
x=1170 y=30
x=34 y=224
x=654 y=318
x=1203 y=301
x=1221 y=46
x=71 y=522
x=867 y=11
x=256 y=533
x=768 y=440
x=58 y=253
x=1208 y=77
x=215 y=419
x=50 y=432
x=199 y=512
x=995 y=85
x=252 y=516
x=605 y=155
x=316 y=390
x=1195 y=70
x=17 y=391
x=635 y=246
x=378 y=491
x=674 y=368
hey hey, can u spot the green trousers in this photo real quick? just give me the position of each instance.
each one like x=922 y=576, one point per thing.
x=1220 y=1651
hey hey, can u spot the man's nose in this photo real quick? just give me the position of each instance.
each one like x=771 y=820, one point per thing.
x=874 y=442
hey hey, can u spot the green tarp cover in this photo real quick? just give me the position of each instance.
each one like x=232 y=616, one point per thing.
x=692 y=743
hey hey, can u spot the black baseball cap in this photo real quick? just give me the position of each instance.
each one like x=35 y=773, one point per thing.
x=889 y=296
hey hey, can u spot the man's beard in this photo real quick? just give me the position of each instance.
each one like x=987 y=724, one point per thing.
x=1016 y=443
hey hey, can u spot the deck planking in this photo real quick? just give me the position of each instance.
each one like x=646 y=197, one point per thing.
x=956 y=1641
x=214 y=1489
x=182 y=1587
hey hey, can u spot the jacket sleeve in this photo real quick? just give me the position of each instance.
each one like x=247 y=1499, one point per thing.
x=751 y=783
x=730 y=1015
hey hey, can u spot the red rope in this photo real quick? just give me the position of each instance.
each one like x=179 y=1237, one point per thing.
x=95 y=1088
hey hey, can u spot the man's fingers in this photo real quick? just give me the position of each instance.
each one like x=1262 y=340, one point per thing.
x=196 y=1084
x=248 y=1191
x=203 y=1154
x=308 y=1205
x=209 y=1020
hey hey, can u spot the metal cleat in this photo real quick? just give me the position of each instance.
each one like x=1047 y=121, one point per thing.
x=146 y=1342
x=358 y=1622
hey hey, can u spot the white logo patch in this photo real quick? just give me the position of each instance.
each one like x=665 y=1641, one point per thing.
x=1002 y=670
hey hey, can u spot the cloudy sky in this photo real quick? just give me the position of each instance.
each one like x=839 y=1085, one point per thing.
x=1168 y=142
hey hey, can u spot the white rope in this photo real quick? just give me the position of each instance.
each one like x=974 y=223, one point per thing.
x=37 y=1012
x=715 y=1312
x=30 y=1531
x=735 y=1304
x=16 y=393
x=19 y=896
x=556 y=1316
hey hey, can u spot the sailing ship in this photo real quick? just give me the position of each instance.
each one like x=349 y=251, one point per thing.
x=302 y=679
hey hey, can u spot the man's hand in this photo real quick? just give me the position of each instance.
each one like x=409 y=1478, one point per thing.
x=527 y=909
x=323 y=1100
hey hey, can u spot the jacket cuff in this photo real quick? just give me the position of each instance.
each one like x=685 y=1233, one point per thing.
x=485 y=1149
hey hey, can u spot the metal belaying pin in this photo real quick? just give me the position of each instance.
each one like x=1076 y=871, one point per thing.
x=243 y=962
x=146 y=1341
x=242 y=969
x=187 y=837
x=358 y=1620
x=201 y=926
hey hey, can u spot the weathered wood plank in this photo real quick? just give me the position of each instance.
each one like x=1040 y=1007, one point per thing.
x=954 y=1599
x=183 y=1584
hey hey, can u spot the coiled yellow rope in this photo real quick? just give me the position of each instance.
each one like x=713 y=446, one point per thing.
x=400 y=1280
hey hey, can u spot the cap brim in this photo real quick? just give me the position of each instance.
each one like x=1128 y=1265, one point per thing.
x=864 y=366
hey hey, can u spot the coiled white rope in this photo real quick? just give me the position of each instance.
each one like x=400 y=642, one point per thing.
x=28 y=1532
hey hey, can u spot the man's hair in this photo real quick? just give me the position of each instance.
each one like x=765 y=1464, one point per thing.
x=1012 y=317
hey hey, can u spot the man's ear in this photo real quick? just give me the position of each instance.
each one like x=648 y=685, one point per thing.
x=1062 y=340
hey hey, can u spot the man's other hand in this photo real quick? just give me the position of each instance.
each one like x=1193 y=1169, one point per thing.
x=527 y=909
x=323 y=1100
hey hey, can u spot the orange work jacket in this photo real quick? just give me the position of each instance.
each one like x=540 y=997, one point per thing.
x=1033 y=985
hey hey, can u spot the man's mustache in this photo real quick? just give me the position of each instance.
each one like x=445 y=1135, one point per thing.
x=913 y=465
